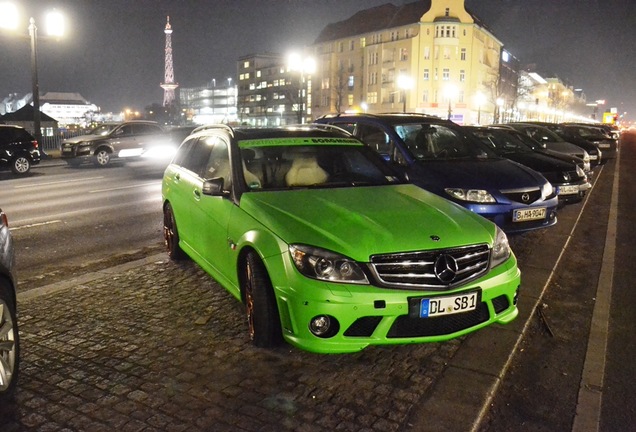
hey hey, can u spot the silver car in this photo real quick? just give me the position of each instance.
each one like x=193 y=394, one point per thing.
x=9 y=340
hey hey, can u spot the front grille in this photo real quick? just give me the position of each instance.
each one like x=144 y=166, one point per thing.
x=435 y=270
x=523 y=197
x=405 y=326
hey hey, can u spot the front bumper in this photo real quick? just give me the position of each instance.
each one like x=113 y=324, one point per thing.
x=366 y=315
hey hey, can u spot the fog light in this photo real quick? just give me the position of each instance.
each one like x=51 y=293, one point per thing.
x=323 y=326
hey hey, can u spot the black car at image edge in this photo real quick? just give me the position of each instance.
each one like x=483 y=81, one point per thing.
x=9 y=340
x=18 y=149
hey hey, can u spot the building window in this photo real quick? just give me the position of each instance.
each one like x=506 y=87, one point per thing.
x=340 y=46
x=258 y=74
x=352 y=45
x=404 y=54
x=324 y=84
x=425 y=96
x=372 y=97
x=460 y=99
x=350 y=81
x=447 y=12
x=462 y=75
x=373 y=78
x=350 y=99
x=373 y=58
x=445 y=74
x=363 y=42
x=426 y=75
x=246 y=64
x=427 y=53
x=446 y=53
x=462 y=54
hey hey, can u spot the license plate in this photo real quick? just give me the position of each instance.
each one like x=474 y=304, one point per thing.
x=528 y=214
x=604 y=145
x=438 y=306
x=568 y=190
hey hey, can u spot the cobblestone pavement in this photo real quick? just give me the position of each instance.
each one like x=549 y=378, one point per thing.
x=161 y=347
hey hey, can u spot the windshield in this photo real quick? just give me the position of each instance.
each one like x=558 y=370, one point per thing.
x=301 y=166
x=502 y=142
x=435 y=141
x=103 y=129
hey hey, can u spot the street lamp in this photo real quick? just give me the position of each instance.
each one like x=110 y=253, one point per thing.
x=500 y=103
x=55 y=28
x=302 y=65
x=450 y=92
x=404 y=83
x=480 y=99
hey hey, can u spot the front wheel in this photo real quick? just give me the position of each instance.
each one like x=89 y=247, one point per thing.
x=102 y=157
x=171 y=235
x=9 y=344
x=260 y=304
x=21 y=165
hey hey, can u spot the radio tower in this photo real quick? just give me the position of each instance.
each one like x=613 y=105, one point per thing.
x=168 y=84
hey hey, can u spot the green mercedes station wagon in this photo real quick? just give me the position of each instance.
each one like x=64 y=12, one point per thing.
x=328 y=248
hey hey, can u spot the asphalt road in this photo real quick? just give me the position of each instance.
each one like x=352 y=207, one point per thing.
x=67 y=221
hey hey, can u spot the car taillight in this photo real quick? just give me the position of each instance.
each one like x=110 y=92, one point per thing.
x=35 y=144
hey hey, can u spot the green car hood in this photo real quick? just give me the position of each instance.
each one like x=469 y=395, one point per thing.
x=361 y=221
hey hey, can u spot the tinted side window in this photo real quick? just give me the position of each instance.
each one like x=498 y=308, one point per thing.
x=146 y=129
x=374 y=137
x=183 y=151
x=197 y=157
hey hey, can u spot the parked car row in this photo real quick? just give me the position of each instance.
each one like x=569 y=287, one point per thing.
x=9 y=336
x=366 y=229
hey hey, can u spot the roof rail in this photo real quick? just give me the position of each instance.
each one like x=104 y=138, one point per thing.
x=213 y=126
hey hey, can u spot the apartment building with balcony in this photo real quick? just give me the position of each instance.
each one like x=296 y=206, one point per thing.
x=431 y=56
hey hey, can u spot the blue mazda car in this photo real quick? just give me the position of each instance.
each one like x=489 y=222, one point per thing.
x=447 y=159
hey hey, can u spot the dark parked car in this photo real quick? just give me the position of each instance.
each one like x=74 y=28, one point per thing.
x=9 y=338
x=596 y=155
x=18 y=149
x=600 y=137
x=569 y=178
x=444 y=158
x=109 y=141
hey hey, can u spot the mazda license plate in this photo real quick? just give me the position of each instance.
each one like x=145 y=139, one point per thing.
x=523 y=215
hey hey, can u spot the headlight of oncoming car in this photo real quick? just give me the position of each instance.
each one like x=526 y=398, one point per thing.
x=472 y=195
x=501 y=249
x=325 y=265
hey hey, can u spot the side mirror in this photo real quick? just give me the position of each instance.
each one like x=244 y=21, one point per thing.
x=214 y=187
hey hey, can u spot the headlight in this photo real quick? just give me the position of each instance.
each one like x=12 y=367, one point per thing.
x=579 y=171
x=547 y=189
x=327 y=266
x=586 y=157
x=500 y=250
x=472 y=195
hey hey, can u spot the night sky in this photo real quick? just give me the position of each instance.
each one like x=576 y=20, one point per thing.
x=113 y=53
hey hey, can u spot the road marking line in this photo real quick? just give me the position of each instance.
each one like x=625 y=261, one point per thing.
x=35 y=225
x=124 y=187
x=31 y=185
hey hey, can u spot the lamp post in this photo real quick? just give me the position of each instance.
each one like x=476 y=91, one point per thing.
x=480 y=99
x=404 y=83
x=450 y=92
x=55 y=28
x=500 y=103
x=306 y=65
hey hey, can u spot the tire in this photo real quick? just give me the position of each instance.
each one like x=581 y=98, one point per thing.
x=171 y=235
x=261 y=310
x=21 y=165
x=9 y=344
x=102 y=157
